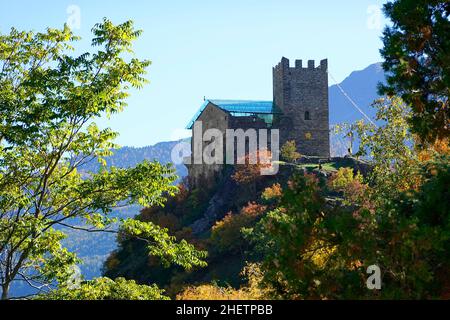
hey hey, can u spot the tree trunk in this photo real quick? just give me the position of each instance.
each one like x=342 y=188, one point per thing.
x=5 y=291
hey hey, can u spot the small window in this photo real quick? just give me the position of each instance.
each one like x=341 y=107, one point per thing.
x=307 y=115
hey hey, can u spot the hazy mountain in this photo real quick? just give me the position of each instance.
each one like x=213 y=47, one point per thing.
x=361 y=87
x=127 y=157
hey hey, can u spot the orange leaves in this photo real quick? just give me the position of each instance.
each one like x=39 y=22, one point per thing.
x=273 y=192
x=250 y=171
x=226 y=233
x=253 y=209
x=440 y=146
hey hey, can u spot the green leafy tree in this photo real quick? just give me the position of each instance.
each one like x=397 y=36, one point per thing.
x=48 y=101
x=285 y=236
x=226 y=234
x=417 y=60
x=391 y=147
x=107 y=289
x=289 y=151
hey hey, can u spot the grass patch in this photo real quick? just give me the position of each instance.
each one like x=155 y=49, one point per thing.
x=328 y=166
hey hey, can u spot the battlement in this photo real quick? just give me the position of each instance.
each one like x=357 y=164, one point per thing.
x=284 y=65
x=301 y=93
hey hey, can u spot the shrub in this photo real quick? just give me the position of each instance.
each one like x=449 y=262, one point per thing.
x=226 y=234
x=289 y=151
x=272 y=193
x=251 y=291
x=107 y=289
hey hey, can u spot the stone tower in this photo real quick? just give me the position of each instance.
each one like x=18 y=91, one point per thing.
x=302 y=96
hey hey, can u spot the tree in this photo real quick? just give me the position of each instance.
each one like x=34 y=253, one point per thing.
x=417 y=60
x=48 y=102
x=107 y=289
x=249 y=172
x=286 y=239
x=289 y=151
x=226 y=234
x=348 y=183
x=397 y=219
x=391 y=147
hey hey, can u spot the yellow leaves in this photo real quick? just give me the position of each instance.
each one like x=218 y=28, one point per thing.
x=343 y=180
x=273 y=192
x=251 y=291
x=226 y=233
x=211 y=292
x=440 y=147
x=289 y=151
x=319 y=252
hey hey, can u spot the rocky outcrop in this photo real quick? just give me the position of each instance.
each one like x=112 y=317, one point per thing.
x=217 y=206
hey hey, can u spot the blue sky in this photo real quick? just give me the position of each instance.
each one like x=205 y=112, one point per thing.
x=215 y=49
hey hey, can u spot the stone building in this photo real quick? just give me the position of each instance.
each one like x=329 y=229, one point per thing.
x=299 y=110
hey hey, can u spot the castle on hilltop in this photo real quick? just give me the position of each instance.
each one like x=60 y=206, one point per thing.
x=299 y=110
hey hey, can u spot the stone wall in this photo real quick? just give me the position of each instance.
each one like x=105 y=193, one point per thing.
x=212 y=117
x=302 y=95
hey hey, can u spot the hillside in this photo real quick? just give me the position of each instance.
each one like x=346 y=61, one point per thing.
x=212 y=219
x=360 y=85
x=95 y=248
x=192 y=208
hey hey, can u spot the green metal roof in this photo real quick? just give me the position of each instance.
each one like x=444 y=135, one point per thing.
x=238 y=108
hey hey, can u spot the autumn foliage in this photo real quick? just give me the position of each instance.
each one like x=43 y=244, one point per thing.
x=250 y=171
x=226 y=234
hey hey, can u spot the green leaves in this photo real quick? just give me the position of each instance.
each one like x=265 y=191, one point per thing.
x=48 y=101
x=287 y=235
x=390 y=146
x=42 y=87
x=164 y=246
x=417 y=60
x=149 y=183
x=289 y=152
x=107 y=289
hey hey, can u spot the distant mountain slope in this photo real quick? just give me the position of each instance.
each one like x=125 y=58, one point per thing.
x=361 y=86
x=126 y=157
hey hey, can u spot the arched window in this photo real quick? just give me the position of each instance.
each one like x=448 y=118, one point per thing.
x=307 y=115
